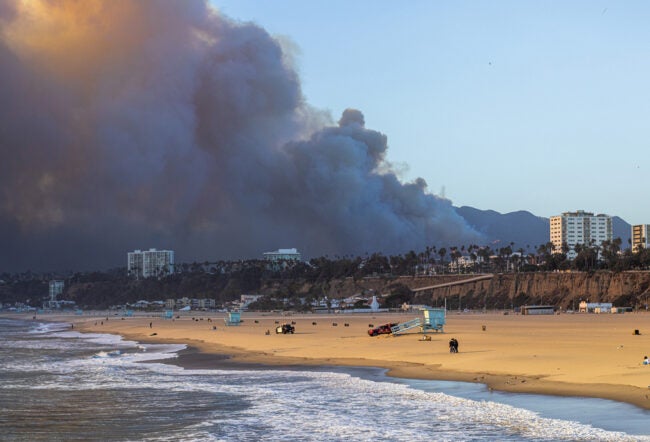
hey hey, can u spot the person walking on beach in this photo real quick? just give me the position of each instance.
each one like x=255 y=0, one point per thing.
x=151 y=325
x=453 y=345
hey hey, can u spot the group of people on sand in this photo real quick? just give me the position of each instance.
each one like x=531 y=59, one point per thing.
x=453 y=345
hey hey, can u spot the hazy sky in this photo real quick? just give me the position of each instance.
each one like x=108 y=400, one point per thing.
x=538 y=106
x=134 y=124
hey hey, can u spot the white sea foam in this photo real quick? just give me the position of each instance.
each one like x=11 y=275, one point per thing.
x=96 y=338
x=48 y=327
x=350 y=407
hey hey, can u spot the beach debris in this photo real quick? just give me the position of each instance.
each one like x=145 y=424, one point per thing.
x=257 y=322
x=425 y=338
x=277 y=322
x=636 y=332
x=334 y=324
x=346 y=325
x=313 y=323
x=214 y=327
x=619 y=347
x=153 y=334
x=371 y=325
x=293 y=322
x=484 y=327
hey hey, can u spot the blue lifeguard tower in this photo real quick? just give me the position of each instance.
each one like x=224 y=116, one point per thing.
x=434 y=319
x=233 y=318
x=168 y=314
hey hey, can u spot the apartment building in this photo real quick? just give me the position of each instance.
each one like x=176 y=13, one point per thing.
x=149 y=263
x=640 y=237
x=580 y=227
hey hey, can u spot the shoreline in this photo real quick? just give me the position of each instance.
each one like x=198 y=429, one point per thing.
x=195 y=357
x=402 y=357
x=199 y=356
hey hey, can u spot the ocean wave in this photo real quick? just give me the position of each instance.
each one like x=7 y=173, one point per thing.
x=299 y=405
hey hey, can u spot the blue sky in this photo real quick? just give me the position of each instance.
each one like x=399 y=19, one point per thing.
x=538 y=106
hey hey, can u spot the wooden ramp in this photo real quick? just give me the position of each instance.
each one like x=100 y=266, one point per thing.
x=405 y=326
x=450 y=284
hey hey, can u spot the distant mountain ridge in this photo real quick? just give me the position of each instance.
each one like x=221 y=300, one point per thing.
x=523 y=228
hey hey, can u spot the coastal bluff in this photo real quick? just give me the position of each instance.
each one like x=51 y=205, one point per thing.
x=562 y=289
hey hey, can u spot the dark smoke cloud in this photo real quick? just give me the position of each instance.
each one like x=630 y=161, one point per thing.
x=131 y=124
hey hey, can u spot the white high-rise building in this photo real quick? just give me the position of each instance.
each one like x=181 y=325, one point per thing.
x=282 y=254
x=640 y=237
x=152 y=262
x=56 y=288
x=580 y=227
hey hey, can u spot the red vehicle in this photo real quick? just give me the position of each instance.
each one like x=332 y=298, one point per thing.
x=382 y=329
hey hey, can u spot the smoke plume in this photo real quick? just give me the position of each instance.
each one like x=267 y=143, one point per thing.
x=131 y=124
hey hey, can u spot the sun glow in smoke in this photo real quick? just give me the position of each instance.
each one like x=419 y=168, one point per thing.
x=128 y=124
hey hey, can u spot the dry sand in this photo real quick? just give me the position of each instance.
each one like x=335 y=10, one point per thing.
x=572 y=355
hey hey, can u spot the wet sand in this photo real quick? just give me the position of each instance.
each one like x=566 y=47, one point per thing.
x=568 y=355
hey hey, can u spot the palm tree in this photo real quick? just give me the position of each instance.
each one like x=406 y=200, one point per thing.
x=442 y=252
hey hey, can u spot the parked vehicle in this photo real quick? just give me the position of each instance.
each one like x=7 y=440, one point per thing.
x=384 y=329
x=284 y=329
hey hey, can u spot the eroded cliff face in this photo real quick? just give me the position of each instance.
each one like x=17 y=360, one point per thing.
x=564 y=290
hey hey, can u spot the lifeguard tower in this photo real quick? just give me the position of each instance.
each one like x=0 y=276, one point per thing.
x=233 y=318
x=433 y=320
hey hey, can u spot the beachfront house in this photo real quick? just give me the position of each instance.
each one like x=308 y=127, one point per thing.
x=245 y=300
x=595 y=307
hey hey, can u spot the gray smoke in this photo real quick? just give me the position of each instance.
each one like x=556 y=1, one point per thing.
x=128 y=124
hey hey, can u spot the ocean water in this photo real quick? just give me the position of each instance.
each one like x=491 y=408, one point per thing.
x=58 y=384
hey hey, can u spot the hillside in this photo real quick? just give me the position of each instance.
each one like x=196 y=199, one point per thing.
x=502 y=291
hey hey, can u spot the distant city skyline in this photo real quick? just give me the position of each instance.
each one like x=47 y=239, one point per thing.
x=506 y=105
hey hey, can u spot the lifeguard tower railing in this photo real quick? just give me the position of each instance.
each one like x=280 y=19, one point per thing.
x=433 y=320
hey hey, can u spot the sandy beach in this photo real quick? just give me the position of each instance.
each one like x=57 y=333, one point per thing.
x=584 y=355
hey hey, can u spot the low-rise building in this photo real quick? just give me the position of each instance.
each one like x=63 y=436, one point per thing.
x=537 y=310
x=246 y=300
x=595 y=307
x=283 y=254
